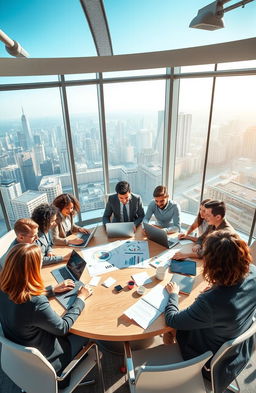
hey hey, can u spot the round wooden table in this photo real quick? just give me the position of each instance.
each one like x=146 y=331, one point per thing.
x=102 y=317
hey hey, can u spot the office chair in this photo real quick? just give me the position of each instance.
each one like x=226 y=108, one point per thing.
x=225 y=351
x=32 y=372
x=162 y=369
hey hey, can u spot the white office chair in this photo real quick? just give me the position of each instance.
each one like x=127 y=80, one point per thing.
x=216 y=366
x=32 y=372
x=162 y=369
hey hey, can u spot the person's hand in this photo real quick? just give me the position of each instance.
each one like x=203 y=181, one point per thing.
x=76 y=241
x=170 y=232
x=134 y=228
x=64 y=286
x=172 y=287
x=182 y=236
x=83 y=230
x=84 y=292
x=50 y=254
x=196 y=248
x=179 y=255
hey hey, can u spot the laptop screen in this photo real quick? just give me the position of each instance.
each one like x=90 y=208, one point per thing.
x=76 y=264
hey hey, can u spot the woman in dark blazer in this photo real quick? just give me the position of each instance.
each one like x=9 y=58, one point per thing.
x=68 y=206
x=224 y=311
x=26 y=315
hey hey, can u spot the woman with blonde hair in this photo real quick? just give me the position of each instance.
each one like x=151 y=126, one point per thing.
x=68 y=206
x=25 y=312
x=199 y=223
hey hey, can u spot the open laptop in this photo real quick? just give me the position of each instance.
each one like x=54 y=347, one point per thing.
x=73 y=271
x=158 y=235
x=86 y=237
x=120 y=229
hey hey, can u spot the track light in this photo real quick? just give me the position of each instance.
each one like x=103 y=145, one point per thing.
x=210 y=16
x=12 y=46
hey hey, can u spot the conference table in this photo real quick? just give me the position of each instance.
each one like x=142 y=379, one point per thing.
x=103 y=316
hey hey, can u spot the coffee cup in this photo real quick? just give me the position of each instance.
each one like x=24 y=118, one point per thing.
x=160 y=272
x=130 y=284
x=141 y=290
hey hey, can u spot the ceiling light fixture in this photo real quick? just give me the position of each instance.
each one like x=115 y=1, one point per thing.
x=12 y=46
x=210 y=16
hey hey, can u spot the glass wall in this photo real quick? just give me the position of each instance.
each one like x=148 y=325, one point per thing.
x=135 y=122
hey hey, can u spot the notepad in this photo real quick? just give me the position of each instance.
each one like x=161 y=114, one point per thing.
x=149 y=307
x=183 y=267
x=185 y=283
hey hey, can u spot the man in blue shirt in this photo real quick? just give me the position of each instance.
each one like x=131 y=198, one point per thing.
x=166 y=211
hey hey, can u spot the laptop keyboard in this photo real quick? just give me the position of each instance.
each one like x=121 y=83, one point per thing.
x=64 y=273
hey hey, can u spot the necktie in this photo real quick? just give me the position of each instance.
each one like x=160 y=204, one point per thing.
x=125 y=214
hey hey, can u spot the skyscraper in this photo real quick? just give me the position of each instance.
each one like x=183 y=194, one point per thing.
x=183 y=134
x=27 y=141
x=39 y=153
x=51 y=186
x=10 y=190
x=13 y=172
x=27 y=202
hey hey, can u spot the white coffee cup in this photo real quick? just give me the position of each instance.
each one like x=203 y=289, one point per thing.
x=160 y=272
x=141 y=290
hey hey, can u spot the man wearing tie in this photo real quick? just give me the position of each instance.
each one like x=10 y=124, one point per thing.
x=125 y=206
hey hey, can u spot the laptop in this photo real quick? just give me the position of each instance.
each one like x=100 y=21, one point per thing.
x=86 y=237
x=120 y=229
x=158 y=235
x=73 y=271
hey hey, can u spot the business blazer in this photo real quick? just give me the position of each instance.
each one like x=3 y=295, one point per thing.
x=58 y=233
x=35 y=324
x=44 y=241
x=136 y=213
x=217 y=315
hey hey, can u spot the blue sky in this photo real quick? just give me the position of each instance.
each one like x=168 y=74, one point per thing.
x=58 y=28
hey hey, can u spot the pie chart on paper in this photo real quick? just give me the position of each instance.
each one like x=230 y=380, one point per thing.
x=102 y=256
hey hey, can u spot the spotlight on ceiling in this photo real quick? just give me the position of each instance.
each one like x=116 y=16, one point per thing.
x=210 y=16
x=12 y=46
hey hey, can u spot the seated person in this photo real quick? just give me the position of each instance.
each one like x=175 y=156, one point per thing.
x=166 y=211
x=26 y=231
x=125 y=206
x=68 y=207
x=214 y=216
x=199 y=223
x=222 y=312
x=25 y=312
x=45 y=216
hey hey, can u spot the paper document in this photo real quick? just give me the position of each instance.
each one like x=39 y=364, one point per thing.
x=141 y=278
x=149 y=307
x=163 y=259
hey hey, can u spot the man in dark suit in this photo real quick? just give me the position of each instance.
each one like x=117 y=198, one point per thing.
x=125 y=206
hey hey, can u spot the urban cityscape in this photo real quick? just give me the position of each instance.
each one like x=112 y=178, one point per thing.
x=35 y=168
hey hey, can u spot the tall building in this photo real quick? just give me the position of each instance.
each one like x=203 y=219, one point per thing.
x=13 y=172
x=27 y=168
x=249 y=145
x=39 y=153
x=183 y=134
x=24 y=205
x=10 y=190
x=51 y=186
x=64 y=161
x=47 y=168
x=27 y=141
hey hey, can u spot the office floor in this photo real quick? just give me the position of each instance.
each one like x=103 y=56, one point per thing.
x=115 y=380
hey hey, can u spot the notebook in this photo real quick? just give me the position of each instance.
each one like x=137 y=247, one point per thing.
x=86 y=237
x=185 y=283
x=120 y=229
x=158 y=235
x=186 y=266
x=73 y=271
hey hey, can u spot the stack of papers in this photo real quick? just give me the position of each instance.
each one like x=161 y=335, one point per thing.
x=149 y=307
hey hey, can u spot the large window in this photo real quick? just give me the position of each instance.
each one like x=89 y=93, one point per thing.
x=231 y=169
x=135 y=122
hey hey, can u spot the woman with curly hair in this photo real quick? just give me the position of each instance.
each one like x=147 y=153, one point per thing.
x=68 y=206
x=225 y=310
x=45 y=216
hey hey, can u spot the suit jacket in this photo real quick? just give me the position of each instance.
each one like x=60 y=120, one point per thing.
x=44 y=241
x=136 y=213
x=35 y=324
x=217 y=315
x=224 y=226
x=59 y=234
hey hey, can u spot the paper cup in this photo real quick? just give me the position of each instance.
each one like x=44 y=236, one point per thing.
x=160 y=272
x=141 y=290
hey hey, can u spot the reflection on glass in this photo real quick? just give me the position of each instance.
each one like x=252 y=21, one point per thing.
x=34 y=164
x=27 y=79
x=75 y=77
x=83 y=109
x=3 y=228
x=197 y=68
x=231 y=174
x=194 y=103
x=134 y=121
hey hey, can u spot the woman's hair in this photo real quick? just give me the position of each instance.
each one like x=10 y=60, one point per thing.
x=226 y=257
x=42 y=215
x=64 y=200
x=21 y=276
x=199 y=218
